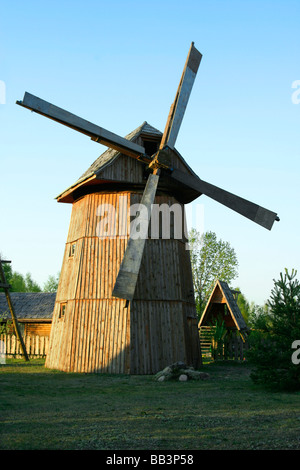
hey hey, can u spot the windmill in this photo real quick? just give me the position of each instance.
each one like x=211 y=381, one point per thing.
x=126 y=304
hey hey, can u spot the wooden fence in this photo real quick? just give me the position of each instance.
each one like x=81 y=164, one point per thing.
x=232 y=347
x=36 y=346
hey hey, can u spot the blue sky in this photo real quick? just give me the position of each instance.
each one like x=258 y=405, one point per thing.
x=117 y=64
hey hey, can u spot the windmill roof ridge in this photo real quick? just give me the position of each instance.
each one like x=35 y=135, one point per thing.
x=109 y=155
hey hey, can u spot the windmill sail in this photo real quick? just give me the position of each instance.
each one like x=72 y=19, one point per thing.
x=129 y=269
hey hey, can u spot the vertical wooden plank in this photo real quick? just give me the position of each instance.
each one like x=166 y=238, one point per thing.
x=8 y=344
x=143 y=339
x=133 y=346
x=113 y=339
x=76 y=350
x=101 y=334
x=116 y=340
x=91 y=356
x=123 y=334
x=106 y=336
x=121 y=331
x=85 y=337
x=127 y=310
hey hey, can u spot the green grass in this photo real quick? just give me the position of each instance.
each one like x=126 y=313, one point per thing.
x=44 y=409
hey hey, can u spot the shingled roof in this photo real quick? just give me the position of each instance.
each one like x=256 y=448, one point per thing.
x=29 y=305
x=110 y=155
x=97 y=170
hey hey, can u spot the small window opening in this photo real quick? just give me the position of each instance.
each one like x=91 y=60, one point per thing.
x=72 y=249
x=151 y=147
x=62 y=310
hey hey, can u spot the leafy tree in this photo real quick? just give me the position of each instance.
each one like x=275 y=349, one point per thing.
x=51 y=284
x=5 y=324
x=243 y=305
x=17 y=281
x=211 y=259
x=31 y=285
x=259 y=317
x=271 y=350
x=20 y=283
x=252 y=313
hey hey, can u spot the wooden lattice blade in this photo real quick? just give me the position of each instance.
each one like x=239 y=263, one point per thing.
x=127 y=277
x=96 y=133
x=179 y=105
x=252 y=211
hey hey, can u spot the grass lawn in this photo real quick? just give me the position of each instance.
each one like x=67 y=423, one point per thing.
x=45 y=409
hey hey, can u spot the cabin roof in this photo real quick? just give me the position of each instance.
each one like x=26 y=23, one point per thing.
x=29 y=305
x=95 y=172
x=222 y=294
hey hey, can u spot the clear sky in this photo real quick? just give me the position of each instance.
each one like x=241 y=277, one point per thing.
x=118 y=64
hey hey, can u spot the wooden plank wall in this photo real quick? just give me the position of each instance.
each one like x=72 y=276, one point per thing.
x=157 y=336
x=163 y=314
x=98 y=333
x=37 y=329
x=93 y=336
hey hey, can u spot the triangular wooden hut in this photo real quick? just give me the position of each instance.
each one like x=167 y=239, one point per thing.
x=92 y=331
x=222 y=304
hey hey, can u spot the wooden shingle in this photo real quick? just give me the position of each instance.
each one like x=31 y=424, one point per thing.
x=29 y=305
x=114 y=167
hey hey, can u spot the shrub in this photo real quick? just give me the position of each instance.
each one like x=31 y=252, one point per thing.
x=270 y=352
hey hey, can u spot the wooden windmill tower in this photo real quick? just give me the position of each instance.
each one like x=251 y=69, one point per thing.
x=126 y=304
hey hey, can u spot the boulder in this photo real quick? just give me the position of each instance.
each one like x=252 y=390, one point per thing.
x=161 y=378
x=180 y=371
x=183 y=378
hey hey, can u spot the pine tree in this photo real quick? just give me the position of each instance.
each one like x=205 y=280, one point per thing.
x=271 y=346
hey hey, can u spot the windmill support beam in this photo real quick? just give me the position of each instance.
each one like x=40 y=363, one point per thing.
x=11 y=309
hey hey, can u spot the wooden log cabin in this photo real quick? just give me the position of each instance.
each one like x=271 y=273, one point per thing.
x=92 y=331
x=34 y=311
